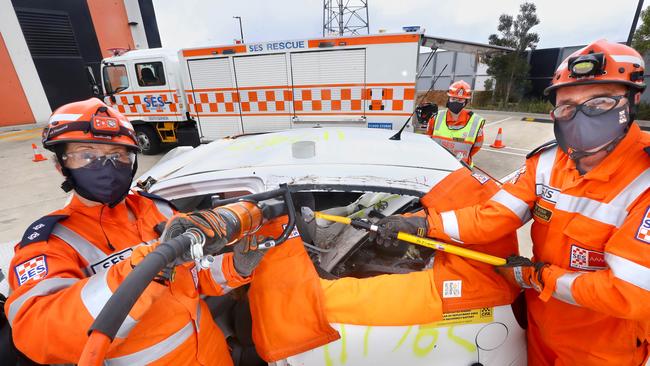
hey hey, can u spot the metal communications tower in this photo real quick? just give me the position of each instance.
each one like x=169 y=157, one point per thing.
x=342 y=17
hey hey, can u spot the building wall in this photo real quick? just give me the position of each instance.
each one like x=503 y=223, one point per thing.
x=15 y=110
x=111 y=25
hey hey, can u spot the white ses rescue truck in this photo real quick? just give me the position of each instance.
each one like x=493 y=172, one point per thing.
x=202 y=94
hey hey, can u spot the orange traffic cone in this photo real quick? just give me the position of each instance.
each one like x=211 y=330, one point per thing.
x=498 y=142
x=37 y=155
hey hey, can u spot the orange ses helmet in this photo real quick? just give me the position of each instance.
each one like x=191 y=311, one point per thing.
x=460 y=89
x=89 y=120
x=601 y=62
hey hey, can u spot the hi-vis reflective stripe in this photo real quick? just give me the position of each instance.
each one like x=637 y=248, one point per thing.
x=628 y=271
x=43 y=288
x=450 y=225
x=164 y=208
x=90 y=253
x=216 y=271
x=156 y=351
x=514 y=204
x=629 y=59
x=563 y=287
x=612 y=213
x=94 y=296
x=545 y=166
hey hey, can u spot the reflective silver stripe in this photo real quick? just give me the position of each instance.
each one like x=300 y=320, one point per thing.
x=95 y=294
x=441 y=117
x=156 y=351
x=563 y=287
x=629 y=59
x=450 y=225
x=164 y=208
x=545 y=166
x=90 y=253
x=216 y=271
x=613 y=213
x=628 y=271
x=197 y=323
x=519 y=277
x=475 y=122
x=514 y=204
x=43 y=288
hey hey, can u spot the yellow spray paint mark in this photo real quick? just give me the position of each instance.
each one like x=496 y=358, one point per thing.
x=366 y=336
x=401 y=340
x=341 y=135
x=344 y=351
x=425 y=332
x=328 y=358
x=470 y=347
x=326 y=135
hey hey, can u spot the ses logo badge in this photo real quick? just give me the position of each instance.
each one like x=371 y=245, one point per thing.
x=643 y=233
x=33 y=269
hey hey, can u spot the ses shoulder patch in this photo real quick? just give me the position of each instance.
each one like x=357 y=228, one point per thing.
x=41 y=229
x=643 y=232
x=32 y=269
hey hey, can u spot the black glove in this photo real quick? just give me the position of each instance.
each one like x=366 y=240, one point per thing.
x=386 y=236
x=247 y=255
x=206 y=221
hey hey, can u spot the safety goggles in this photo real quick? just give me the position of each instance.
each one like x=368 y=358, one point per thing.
x=94 y=159
x=592 y=107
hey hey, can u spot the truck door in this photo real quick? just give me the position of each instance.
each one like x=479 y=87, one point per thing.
x=214 y=99
x=329 y=86
x=264 y=92
x=154 y=97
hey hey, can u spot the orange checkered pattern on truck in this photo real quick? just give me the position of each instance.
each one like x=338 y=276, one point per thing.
x=147 y=103
x=380 y=99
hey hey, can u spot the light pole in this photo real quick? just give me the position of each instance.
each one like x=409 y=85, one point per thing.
x=241 y=31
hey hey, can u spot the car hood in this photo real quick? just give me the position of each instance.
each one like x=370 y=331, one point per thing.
x=308 y=156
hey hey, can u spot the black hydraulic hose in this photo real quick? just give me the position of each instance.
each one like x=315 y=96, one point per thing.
x=121 y=302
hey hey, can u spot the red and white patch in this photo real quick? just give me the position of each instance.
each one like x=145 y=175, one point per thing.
x=643 y=233
x=480 y=178
x=33 y=269
x=585 y=259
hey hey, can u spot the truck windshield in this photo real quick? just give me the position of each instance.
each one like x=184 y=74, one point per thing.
x=115 y=79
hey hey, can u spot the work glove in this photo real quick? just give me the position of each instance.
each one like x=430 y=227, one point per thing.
x=386 y=235
x=247 y=255
x=522 y=272
x=206 y=221
x=164 y=276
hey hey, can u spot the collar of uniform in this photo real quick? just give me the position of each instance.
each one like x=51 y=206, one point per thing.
x=613 y=161
x=463 y=117
x=117 y=214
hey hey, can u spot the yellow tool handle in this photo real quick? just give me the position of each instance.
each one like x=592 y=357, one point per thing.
x=339 y=219
x=429 y=243
x=453 y=249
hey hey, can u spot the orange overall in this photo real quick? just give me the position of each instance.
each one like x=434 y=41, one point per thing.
x=596 y=229
x=62 y=278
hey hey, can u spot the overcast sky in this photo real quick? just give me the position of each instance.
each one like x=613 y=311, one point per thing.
x=190 y=23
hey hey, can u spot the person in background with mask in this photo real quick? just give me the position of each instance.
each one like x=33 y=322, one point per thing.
x=588 y=284
x=70 y=262
x=457 y=129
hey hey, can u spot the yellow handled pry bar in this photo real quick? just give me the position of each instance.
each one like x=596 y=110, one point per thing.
x=425 y=242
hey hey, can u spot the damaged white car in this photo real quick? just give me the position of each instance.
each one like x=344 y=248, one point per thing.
x=357 y=173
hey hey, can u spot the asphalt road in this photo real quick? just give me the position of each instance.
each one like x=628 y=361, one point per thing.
x=31 y=189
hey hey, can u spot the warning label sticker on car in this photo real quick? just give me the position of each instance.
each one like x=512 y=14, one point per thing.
x=474 y=316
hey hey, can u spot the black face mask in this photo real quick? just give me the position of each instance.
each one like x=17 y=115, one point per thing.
x=584 y=133
x=455 y=107
x=108 y=183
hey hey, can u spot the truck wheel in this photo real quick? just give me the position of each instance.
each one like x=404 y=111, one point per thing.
x=148 y=140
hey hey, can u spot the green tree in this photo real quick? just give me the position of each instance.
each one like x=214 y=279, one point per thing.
x=510 y=70
x=641 y=38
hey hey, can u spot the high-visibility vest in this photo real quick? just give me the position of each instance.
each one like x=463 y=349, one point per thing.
x=458 y=141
